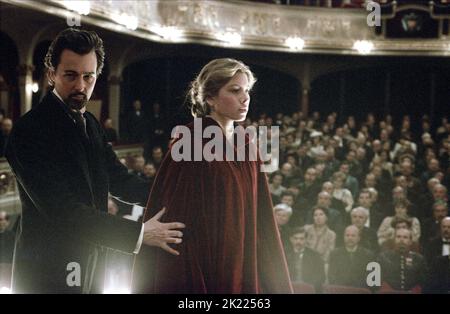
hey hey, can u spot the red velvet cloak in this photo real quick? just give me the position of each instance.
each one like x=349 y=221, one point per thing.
x=231 y=243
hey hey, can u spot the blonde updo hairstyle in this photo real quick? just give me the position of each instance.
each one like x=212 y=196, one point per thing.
x=216 y=74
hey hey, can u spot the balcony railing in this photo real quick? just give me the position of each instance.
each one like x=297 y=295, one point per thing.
x=238 y=24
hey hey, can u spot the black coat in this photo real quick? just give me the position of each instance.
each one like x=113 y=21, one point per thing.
x=369 y=240
x=439 y=281
x=64 y=179
x=433 y=249
x=313 y=271
x=347 y=271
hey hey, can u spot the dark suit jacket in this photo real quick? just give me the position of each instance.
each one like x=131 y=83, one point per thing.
x=369 y=240
x=433 y=249
x=439 y=281
x=313 y=271
x=430 y=229
x=64 y=179
x=3 y=141
x=347 y=271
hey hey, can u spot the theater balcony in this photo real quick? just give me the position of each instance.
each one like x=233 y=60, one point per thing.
x=263 y=26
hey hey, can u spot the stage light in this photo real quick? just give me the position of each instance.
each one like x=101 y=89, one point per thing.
x=35 y=87
x=129 y=21
x=117 y=290
x=167 y=32
x=82 y=7
x=363 y=46
x=5 y=290
x=295 y=43
x=231 y=38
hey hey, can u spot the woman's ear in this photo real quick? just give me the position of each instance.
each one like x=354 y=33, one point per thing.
x=210 y=102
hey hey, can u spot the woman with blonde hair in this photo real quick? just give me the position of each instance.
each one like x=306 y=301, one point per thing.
x=231 y=243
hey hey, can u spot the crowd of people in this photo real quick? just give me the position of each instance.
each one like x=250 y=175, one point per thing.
x=347 y=194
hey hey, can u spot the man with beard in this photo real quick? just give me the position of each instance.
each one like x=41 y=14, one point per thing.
x=65 y=169
x=401 y=268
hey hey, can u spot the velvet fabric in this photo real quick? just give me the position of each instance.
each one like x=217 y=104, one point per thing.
x=231 y=243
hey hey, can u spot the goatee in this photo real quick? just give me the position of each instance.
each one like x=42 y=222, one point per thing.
x=76 y=104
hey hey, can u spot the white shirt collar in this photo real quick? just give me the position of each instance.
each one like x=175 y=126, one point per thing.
x=57 y=95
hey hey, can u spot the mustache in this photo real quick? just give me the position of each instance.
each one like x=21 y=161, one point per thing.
x=78 y=94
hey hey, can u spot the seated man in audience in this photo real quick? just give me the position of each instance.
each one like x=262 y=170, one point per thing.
x=401 y=268
x=439 y=246
x=290 y=198
x=348 y=264
x=427 y=199
x=365 y=200
x=328 y=186
x=368 y=236
x=399 y=223
x=310 y=187
x=304 y=264
x=439 y=281
x=431 y=226
x=350 y=182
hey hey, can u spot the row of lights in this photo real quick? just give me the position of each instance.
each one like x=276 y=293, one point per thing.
x=172 y=33
x=362 y=46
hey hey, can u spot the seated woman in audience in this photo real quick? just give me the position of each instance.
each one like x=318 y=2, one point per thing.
x=400 y=219
x=283 y=213
x=319 y=237
x=276 y=186
x=340 y=192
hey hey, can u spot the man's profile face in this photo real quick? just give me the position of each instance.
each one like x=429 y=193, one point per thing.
x=74 y=77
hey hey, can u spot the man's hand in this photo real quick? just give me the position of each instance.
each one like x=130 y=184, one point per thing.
x=160 y=234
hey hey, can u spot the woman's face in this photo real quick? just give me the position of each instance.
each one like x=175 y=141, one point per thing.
x=233 y=100
x=320 y=218
x=401 y=211
x=282 y=217
x=338 y=183
x=277 y=180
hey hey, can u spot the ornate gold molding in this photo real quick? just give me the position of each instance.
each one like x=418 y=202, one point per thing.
x=244 y=25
